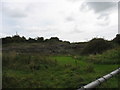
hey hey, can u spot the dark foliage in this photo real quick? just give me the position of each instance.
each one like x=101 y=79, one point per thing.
x=117 y=39
x=97 y=45
x=14 y=39
x=31 y=40
x=40 y=39
x=18 y=39
x=6 y=40
x=54 y=39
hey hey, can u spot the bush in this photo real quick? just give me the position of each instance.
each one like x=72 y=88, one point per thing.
x=97 y=45
x=109 y=57
x=117 y=39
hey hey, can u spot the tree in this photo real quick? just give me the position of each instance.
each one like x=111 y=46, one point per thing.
x=96 y=45
x=54 y=39
x=40 y=39
x=31 y=40
x=117 y=39
x=6 y=40
x=23 y=39
x=16 y=38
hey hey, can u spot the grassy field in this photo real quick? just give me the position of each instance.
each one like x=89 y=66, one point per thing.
x=99 y=69
x=25 y=70
x=31 y=70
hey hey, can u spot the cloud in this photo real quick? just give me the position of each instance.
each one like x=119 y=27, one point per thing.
x=60 y=18
x=103 y=19
x=103 y=16
x=70 y=19
x=17 y=14
x=76 y=30
x=14 y=11
x=99 y=7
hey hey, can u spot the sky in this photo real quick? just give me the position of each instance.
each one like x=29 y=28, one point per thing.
x=69 y=20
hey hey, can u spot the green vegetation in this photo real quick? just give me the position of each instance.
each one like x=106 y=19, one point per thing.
x=117 y=39
x=97 y=45
x=35 y=71
x=56 y=64
x=109 y=57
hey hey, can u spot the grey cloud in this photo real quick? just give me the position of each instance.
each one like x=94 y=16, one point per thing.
x=101 y=6
x=104 y=24
x=103 y=15
x=98 y=7
x=14 y=12
x=70 y=19
x=18 y=14
x=105 y=19
x=76 y=30
x=103 y=9
x=84 y=7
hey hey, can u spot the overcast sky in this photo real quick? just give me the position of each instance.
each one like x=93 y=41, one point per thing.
x=71 y=20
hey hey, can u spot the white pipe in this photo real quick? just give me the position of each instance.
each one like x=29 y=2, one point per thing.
x=100 y=80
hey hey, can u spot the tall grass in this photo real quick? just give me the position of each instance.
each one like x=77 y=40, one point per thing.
x=31 y=70
x=14 y=60
x=108 y=57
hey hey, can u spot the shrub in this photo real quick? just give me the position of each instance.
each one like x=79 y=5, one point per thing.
x=109 y=57
x=97 y=45
x=117 y=39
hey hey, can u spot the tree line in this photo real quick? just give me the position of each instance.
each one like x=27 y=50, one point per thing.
x=94 y=46
x=18 y=39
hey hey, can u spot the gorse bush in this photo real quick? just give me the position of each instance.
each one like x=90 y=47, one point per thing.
x=96 y=45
